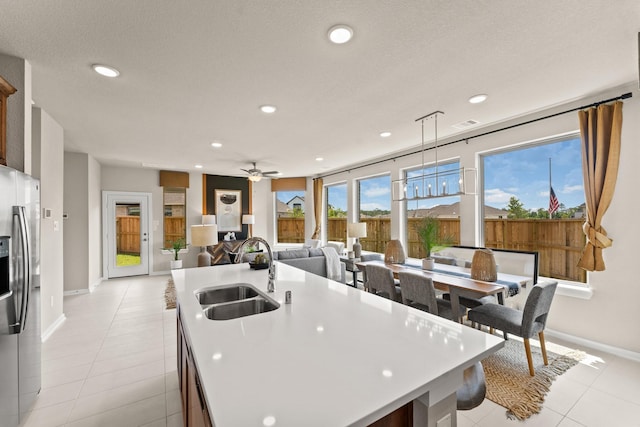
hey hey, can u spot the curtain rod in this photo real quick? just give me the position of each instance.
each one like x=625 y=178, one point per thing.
x=595 y=104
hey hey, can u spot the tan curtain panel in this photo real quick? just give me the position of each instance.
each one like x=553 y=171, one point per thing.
x=600 y=130
x=317 y=206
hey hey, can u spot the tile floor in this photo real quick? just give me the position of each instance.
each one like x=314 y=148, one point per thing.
x=113 y=363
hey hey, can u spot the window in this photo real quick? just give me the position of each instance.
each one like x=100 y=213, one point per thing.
x=336 y=212
x=516 y=195
x=446 y=209
x=175 y=205
x=374 y=208
x=290 y=216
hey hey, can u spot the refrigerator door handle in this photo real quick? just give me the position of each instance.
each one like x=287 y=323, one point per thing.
x=19 y=213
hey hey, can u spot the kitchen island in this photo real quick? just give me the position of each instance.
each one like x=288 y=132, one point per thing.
x=336 y=356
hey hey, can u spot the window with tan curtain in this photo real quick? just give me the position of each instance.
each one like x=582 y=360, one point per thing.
x=289 y=197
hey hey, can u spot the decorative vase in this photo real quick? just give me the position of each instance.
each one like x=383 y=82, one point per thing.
x=357 y=249
x=483 y=266
x=428 y=263
x=176 y=264
x=394 y=253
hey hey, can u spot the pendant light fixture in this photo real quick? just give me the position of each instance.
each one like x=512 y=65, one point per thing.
x=443 y=182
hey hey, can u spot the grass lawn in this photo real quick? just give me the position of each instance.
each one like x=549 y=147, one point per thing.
x=123 y=260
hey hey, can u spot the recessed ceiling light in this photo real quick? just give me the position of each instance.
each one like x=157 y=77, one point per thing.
x=268 y=109
x=340 y=34
x=385 y=134
x=319 y=159
x=216 y=144
x=105 y=70
x=477 y=99
x=198 y=166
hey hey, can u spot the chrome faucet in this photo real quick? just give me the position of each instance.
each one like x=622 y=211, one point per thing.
x=271 y=286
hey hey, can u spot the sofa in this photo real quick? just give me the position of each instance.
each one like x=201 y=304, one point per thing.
x=308 y=259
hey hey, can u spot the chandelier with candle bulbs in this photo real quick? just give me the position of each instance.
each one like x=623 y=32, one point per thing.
x=443 y=182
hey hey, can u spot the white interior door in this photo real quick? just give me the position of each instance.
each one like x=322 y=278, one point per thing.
x=126 y=239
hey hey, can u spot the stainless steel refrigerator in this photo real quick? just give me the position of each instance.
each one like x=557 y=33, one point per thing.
x=20 y=341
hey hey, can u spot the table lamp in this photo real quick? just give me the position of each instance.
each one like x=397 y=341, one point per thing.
x=204 y=235
x=249 y=220
x=357 y=230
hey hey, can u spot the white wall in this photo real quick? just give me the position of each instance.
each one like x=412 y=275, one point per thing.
x=17 y=72
x=94 y=225
x=615 y=291
x=76 y=226
x=48 y=156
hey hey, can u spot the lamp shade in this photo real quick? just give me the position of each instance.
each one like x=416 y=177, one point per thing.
x=204 y=235
x=208 y=219
x=357 y=229
x=248 y=219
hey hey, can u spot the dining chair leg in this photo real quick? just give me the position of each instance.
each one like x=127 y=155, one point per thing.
x=527 y=349
x=543 y=347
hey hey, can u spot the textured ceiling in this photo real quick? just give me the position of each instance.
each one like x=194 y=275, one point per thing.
x=196 y=72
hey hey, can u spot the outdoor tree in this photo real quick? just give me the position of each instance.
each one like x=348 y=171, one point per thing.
x=297 y=213
x=335 y=212
x=516 y=208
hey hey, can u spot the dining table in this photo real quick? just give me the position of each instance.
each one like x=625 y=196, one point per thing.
x=457 y=286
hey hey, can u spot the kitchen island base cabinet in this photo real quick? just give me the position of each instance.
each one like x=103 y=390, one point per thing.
x=194 y=408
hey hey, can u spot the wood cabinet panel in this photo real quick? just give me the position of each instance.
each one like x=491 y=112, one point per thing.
x=5 y=91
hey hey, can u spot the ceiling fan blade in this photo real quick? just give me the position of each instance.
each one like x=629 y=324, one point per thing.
x=270 y=173
x=245 y=170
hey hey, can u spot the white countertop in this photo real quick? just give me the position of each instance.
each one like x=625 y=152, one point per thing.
x=336 y=356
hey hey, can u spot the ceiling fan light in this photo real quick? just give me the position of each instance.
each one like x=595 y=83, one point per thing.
x=254 y=178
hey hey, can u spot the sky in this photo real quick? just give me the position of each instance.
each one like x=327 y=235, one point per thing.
x=521 y=173
x=285 y=196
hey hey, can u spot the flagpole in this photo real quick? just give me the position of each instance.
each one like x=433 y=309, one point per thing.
x=549 y=187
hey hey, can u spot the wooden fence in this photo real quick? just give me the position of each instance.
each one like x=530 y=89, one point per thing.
x=559 y=243
x=128 y=235
x=174 y=229
x=291 y=230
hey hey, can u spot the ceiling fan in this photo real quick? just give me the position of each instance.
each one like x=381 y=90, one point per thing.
x=256 y=175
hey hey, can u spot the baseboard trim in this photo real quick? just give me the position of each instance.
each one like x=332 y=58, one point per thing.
x=94 y=285
x=616 y=351
x=53 y=327
x=160 y=273
x=75 y=292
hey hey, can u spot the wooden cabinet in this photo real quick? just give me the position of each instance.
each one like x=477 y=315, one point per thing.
x=5 y=91
x=194 y=407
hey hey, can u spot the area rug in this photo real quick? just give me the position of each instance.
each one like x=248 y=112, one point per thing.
x=509 y=383
x=170 y=295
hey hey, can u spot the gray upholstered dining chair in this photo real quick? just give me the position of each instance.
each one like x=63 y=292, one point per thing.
x=526 y=323
x=417 y=291
x=380 y=281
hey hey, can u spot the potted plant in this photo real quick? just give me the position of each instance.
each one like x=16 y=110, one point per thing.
x=175 y=246
x=429 y=234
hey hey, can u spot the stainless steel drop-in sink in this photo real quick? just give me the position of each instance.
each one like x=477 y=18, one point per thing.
x=233 y=301
x=228 y=293
x=243 y=308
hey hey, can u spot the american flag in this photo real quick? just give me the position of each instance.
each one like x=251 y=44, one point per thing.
x=553 y=202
